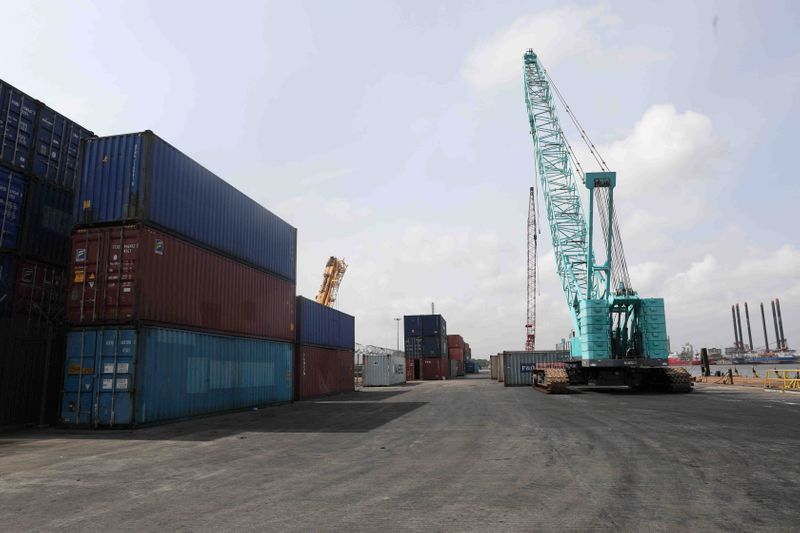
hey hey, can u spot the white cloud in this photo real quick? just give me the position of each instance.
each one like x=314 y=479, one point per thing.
x=554 y=35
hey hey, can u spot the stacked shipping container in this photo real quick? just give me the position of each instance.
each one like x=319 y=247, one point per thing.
x=426 y=345
x=456 y=350
x=325 y=352
x=181 y=292
x=39 y=165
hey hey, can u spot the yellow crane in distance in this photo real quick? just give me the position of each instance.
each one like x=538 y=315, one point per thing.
x=331 y=279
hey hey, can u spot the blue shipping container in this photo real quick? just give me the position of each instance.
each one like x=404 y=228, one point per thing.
x=39 y=140
x=430 y=346
x=424 y=325
x=58 y=147
x=140 y=177
x=17 y=120
x=322 y=326
x=123 y=377
x=13 y=188
x=46 y=233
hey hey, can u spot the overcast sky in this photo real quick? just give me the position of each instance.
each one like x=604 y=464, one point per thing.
x=395 y=135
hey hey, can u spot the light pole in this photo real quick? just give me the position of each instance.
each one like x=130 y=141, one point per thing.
x=398 y=333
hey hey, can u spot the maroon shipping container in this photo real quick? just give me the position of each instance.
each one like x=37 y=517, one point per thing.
x=410 y=369
x=455 y=354
x=133 y=273
x=435 y=368
x=455 y=341
x=322 y=371
x=39 y=293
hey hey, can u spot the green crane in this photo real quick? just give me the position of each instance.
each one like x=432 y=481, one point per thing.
x=619 y=338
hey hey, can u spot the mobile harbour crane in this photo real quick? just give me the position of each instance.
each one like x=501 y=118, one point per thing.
x=619 y=338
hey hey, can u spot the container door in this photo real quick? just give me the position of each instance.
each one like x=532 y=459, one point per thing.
x=115 y=379
x=79 y=378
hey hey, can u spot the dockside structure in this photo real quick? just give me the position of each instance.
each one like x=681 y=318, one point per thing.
x=182 y=295
x=40 y=153
x=324 y=361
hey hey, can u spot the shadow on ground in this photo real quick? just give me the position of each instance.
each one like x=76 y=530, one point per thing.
x=323 y=416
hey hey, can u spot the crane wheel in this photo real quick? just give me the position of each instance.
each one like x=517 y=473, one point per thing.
x=551 y=380
x=678 y=380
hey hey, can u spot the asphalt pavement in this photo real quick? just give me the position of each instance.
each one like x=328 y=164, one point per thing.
x=460 y=455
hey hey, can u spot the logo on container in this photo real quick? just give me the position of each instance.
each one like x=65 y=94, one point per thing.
x=159 y=248
x=80 y=255
x=526 y=368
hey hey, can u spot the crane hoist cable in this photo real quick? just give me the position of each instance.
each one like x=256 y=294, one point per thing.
x=619 y=272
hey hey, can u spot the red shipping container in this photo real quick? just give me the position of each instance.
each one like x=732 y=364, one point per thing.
x=322 y=371
x=435 y=368
x=455 y=341
x=410 y=369
x=455 y=354
x=39 y=292
x=134 y=273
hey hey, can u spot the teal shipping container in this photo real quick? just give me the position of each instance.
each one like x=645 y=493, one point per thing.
x=125 y=377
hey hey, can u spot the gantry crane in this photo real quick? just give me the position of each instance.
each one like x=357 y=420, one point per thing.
x=619 y=338
x=331 y=279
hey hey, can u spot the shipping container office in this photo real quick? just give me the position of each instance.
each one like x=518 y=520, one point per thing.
x=518 y=366
x=131 y=273
x=139 y=177
x=38 y=140
x=384 y=370
x=318 y=325
x=124 y=377
x=323 y=371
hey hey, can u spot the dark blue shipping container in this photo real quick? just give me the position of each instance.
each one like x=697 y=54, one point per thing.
x=13 y=189
x=424 y=325
x=430 y=346
x=123 y=377
x=46 y=233
x=38 y=140
x=322 y=326
x=140 y=177
x=57 y=150
x=17 y=124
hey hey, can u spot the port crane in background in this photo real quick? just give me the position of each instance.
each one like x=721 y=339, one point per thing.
x=331 y=279
x=619 y=338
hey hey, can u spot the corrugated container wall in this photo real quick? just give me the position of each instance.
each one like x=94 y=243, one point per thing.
x=410 y=373
x=435 y=368
x=318 y=325
x=500 y=368
x=48 y=223
x=13 y=192
x=424 y=325
x=384 y=370
x=494 y=363
x=519 y=365
x=38 y=140
x=455 y=369
x=323 y=371
x=140 y=177
x=123 y=377
x=170 y=281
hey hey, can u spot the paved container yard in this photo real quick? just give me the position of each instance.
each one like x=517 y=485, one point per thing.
x=463 y=455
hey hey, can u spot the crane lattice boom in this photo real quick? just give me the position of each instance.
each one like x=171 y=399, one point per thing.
x=331 y=279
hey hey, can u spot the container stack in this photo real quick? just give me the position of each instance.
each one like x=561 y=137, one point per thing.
x=426 y=346
x=39 y=166
x=456 y=352
x=181 y=291
x=325 y=352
